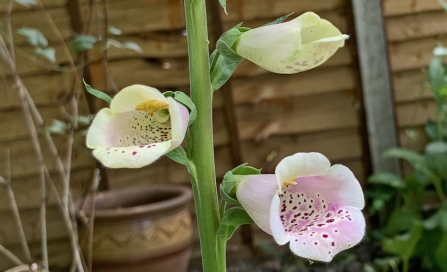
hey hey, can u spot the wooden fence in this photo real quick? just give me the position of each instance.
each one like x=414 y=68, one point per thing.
x=277 y=115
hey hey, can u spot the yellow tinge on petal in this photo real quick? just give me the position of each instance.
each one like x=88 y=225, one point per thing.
x=151 y=106
x=286 y=183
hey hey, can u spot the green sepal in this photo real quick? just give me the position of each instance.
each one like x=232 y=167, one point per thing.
x=279 y=20
x=223 y=3
x=224 y=60
x=404 y=245
x=185 y=101
x=178 y=155
x=229 y=181
x=97 y=93
x=231 y=220
x=226 y=189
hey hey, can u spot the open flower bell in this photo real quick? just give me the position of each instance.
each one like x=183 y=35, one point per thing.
x=308 y=203
x=140 y=126
x=291 y=47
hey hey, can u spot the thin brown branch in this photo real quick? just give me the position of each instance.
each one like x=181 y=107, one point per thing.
x=91 y=222
x=33 y=134
x=8 y=254
x=15 y=210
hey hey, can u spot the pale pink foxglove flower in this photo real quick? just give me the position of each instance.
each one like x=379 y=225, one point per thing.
x=141 y=126
x=291 y=47
x=308 y=203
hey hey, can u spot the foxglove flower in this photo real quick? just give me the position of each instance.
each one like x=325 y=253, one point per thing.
x=307 y=203
x=291 y=47
x=140 y=126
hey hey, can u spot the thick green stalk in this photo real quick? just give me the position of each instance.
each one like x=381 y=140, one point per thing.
x=202 y=155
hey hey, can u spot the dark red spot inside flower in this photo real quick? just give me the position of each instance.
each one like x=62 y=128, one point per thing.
x=315 y=243
x=333 y=244
x=330 y=221
x=134 y=153
x=325 y=236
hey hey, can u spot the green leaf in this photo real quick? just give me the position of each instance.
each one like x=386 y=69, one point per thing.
x=225 y=61
x=49 y=53
x=231 y=220
x=57 y=127
x=83 y=42
x=387 y=178
x=236 y=216
x=279 y=20
x=223 y=3
x=441 y=253
x=187 y=102
x=403 y=245
x=436 y=148
x=436 y=73
x=97 y=93
x=401 y=220
x=438 y=219
x=225 y=231
x=133 y=46
x=444 y=4
x=115 y=31
x=26 y=3
x=34 y=36
x=243 y=169
x=179 y=156
x=405 y=154
x=226 y=188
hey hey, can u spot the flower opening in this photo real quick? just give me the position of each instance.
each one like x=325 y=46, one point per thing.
x=317 y=211
x=140 y=126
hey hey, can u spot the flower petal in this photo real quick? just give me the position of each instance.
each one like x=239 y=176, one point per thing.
x=276 y=226
x=128 y=98
x=131 y=156
x=179 y=121
x=255 y=193
x=321 y=243
x=96 y=136
x=301 y=165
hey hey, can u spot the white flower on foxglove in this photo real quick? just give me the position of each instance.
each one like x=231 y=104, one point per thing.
x=141 y=126
x=291 y=47
x=308 y=203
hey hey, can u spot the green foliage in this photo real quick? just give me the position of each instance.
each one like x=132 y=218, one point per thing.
x=83 y=42
x=410 y=229
x=185 y=101
x=26 y=3
x=34 y=36
x=223 y=3
x=49 y=53
x=97 y=93
x=233 y=217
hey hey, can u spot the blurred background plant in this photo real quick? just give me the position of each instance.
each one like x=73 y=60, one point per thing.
x=412 y=209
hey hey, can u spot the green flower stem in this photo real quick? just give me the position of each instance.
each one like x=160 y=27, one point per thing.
x=202 y=155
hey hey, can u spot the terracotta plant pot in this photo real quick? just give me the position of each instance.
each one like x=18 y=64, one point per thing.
x=140 y=229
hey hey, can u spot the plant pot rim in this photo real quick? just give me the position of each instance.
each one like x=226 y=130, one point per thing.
x=172 y=203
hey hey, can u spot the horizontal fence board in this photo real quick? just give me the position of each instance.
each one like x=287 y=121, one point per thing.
x=416 y=113
x=27 y=190
x=411 y=54
x=416 y=26
x=306 y=114
x=47 y=89
x=154 y=72
x=24 y=161
x=270 y=86
x=59 y=252
x=401 y=7
x=31 y=223
x=28 y=63
x=408 y=86
x=413 y=138
x=152 y=15
x=37 y=19
x=16 y=7
x=336 y=145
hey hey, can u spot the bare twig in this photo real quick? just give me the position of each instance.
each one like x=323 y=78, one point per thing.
x=13 y=258
x=15 y=210
x=91 y=222
x=33 y=132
